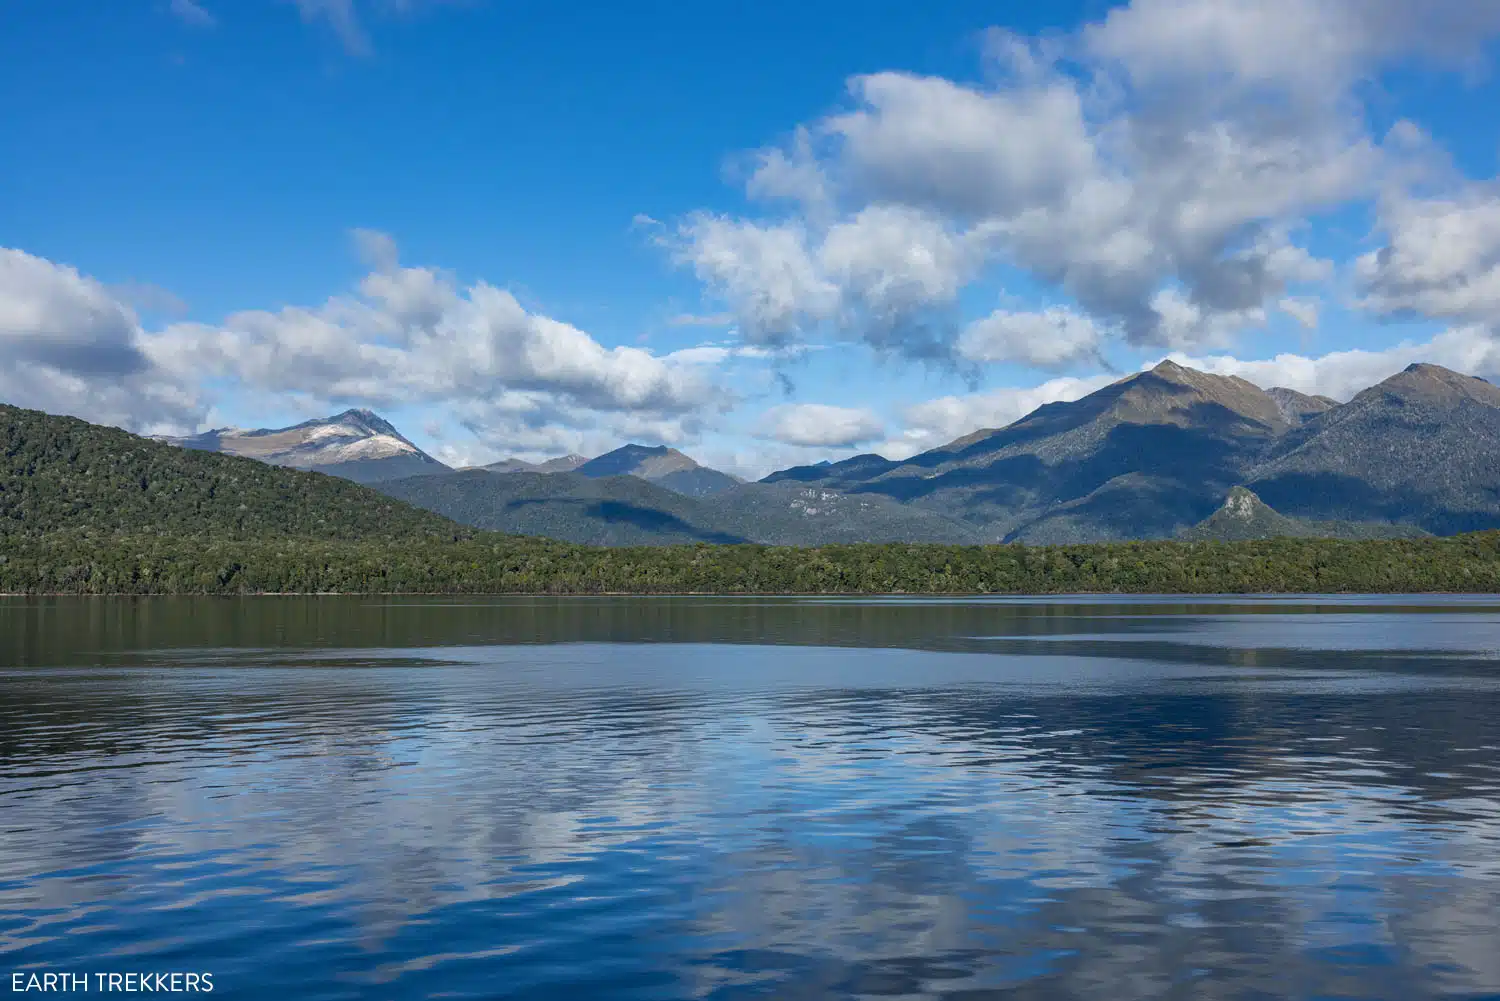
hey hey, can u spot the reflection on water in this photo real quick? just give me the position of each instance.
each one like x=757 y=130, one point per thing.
x=682 y=798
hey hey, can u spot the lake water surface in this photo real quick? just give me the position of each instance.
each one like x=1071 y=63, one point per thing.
x=673 y=798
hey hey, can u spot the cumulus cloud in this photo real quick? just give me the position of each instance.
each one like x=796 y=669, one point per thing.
x=1442 y=259
x=766 y=273
x=936 y=422
x=533 y=425
x=1045 y=339
x=69 y=345
x=1154 y=166
x=414 y=335
x=407 y=336
x=1315 y=49
x=970 y=152
x=818 y=424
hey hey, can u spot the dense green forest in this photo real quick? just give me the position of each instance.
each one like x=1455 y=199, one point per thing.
x=64 y=474
x=93 y=510
x=159 y=564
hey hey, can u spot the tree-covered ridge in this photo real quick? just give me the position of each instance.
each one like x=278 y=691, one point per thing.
x=493 y=564
x=94 y=510
x=60 y=474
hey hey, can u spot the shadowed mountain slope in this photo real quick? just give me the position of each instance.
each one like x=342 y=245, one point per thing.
x=1421 y=448
x=604 y=511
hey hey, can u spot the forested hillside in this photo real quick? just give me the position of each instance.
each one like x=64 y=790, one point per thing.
x=59 y=474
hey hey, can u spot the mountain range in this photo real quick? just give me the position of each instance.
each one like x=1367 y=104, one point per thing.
x=1159 y=451
x=1157 y=454
x=661 y=465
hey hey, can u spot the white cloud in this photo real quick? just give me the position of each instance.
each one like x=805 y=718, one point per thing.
x=414 y=335
x=793 y=174
x=936 y=422
x=1315 y=49
x=930 y=142
x=1046 y=339
x=765 y=273
x=68 y=345
x=1152 y=166
x=877 y=275
x=1442 y=259
x=818 y=424
x=408 y=337
x=1304 y=311
x=533 y=426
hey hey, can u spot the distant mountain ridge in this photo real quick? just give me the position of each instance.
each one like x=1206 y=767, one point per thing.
x=1157 y=452
x=357 y=444
x=1154 y=455
x=561 y=464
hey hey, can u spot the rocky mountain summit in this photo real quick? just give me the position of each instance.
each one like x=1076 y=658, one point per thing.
x=356 y=444
x=663 y=466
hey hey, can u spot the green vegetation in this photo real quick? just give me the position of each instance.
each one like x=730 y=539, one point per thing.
x=59 y=474
x=93 y=510
x=508 y=564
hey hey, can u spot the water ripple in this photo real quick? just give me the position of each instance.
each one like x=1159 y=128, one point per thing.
x=1150 y=800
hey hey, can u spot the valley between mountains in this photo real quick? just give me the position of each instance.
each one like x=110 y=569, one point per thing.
x=1167 y=453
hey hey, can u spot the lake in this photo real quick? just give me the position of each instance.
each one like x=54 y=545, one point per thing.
x=670 y=798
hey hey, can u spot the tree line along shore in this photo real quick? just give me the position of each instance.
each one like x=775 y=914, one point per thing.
x=480 y=564
x=86 y=509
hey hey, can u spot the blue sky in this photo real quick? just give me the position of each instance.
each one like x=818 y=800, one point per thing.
x=765 y=233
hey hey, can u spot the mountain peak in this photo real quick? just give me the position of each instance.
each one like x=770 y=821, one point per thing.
x=662 y=465
x=359 y=418
x=1171 y=393
x=1424 y=381
x=650 y=461
x=1242 y=504
x=358 y=444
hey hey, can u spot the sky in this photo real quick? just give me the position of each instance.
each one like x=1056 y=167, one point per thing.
x=767 y=234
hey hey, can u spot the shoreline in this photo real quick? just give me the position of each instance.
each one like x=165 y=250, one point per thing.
x=748 y=594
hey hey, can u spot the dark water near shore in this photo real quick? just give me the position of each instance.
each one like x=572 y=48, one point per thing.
x=675 y=798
